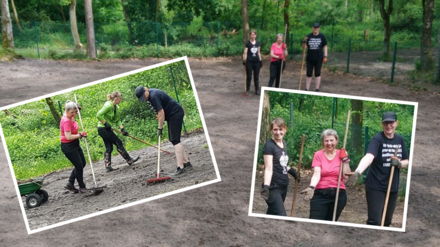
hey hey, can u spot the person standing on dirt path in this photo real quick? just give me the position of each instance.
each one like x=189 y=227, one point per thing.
x=70 y=136
x=315 y=43
x=380 y=157
x=109 y=116
x=276 y=180
x=322 y=190
x=278 y=53
x=252 y=61
x=167 y=109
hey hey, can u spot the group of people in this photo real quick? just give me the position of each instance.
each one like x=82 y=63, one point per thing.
x=315 y=43
x=385 y=150
x=109 y=118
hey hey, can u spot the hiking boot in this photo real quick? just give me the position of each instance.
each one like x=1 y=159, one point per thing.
x=180 y=170
x=109 y=168
x=132 y=160
x=187 y=165
x=108 y=163
x=82 y=190
x=70 y=187
x=127 y=157
x=257 y=92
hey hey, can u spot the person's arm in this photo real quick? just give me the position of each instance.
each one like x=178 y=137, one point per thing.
x=316 y=176
x=325 y=51
x=70 y=137
x=160 y=118
x=272 y=54
x=268 y=169
x=245 y=54
x=346 y=169
x=365 y=163
x=404 y=163
x=286 y=52
x=259 y=54
x=101 y=113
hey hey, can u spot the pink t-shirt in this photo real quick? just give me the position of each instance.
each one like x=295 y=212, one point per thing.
x=329 y=170
x=277 y=51
x=67 y=125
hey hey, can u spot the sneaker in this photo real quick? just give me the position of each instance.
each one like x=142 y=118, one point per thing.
x=180 y=170
x=82 y=190
x=257 y=92
x=317 y=90
x=187 y=165
x=70 y=187
x=247 y=93
x=306 y=89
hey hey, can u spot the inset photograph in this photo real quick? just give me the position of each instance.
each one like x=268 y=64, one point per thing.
x=333 y=159
x=107 y=145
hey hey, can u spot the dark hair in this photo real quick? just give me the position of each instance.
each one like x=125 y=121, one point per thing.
x=252 y=31
x=278 y=122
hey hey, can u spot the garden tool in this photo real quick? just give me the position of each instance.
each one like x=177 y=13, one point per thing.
x=140 y=140
x=388 y=192
x=295 y=191
x=158 y=179
x=284 y=41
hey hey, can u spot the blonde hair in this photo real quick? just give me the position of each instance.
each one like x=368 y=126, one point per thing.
x=113 y=95
x=278 y=122
x=70 y=105
x=252 y=31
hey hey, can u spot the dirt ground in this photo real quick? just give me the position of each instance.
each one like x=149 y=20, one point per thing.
x=217 y=214
x=126 y=185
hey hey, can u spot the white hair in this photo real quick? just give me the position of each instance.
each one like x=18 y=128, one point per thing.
x=70 y=105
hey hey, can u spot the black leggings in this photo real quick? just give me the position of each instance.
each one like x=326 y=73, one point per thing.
x=252 y=66
x=323 y=204
x=74 y=153
x=275 y=73
x=175 y=122
x=314 y=64
x=376 y=202
x=275 y=203
x=110 y=139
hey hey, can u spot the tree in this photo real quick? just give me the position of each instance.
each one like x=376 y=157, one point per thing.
x=16 y=15
x=385 y=14
x=357 y=107
x=90 y=32
x=426 y=60
x=244 y=20
x=73 y=23
x=262 y=16
x=286 y=19
x=437 y=62
x=52 y=108
x=265 y=119
x=127 y=19
x=7 y=37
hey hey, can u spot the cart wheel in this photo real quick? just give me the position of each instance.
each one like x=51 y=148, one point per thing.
x=33 y=200
x=43 y=194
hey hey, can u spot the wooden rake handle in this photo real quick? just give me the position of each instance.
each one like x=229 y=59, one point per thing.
x=295 y=191
x=388 y=193
x=141 y=141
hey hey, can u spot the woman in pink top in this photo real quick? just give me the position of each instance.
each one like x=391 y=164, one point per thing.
x=278 y=52
x=322 y=189
x=71 y=148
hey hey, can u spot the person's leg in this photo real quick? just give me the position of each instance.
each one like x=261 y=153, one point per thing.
x=73 y=155
x=375 y=203
x=279 y=72
x=68 y=151
x=275 y=203
x=318 y=66
x=108 y=149
x=174 y=132
x=342 y=201
x=80 y=172
x=392 y=200
x=248 y=75
x=273 y=73
x=318 y=206
x=114 y=139
x=309 y=73
x=256 y=68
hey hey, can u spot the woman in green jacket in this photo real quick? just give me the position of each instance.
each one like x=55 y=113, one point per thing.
x=109 y=116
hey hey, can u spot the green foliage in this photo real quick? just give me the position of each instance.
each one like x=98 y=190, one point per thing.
x=33 y=139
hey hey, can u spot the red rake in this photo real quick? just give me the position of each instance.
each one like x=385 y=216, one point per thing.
x=158 y=179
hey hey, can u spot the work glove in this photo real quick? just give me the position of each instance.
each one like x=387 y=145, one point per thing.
x=325 y=60
x=125 y=133
x=308 y=193
x=344 y=156
x=261 y=64
x=82 y=134
x=283 y=46
x=282 y=57
x=159 y=132
x=107 y=126
x=352 y=180
x=265 y=192
x=396 y=162
x=294 y=174
x=244 y=63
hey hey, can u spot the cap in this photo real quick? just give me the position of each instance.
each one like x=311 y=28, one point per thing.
x=316 y=24
x=140 y=93
x=389 y=117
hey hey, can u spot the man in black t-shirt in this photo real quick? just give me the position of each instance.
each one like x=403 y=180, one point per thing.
x=315 y=43
x=167 y=109
x=381 y=156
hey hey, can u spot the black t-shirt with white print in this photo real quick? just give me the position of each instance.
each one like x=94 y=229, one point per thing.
x=383 y=149
x=279 y=163
x=158 y=100
x=315 y=44
x=252 y=52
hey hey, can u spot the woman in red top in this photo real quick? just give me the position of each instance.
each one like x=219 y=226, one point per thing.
x=322 y=189
x=278 y=52
x=71 y=148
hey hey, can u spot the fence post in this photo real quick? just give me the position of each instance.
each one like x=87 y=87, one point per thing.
x=218 y=36
x=333 y=113
x=61 y=110
x=366 y=140
x=394 y=62
x=157 y=39
x=331 y=44
x=177 y=96
x=36 y=38
x=348 y=57
x=291 y=115
x=96 y=41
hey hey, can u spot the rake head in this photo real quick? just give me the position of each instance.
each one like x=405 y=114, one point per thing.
x=157 y=180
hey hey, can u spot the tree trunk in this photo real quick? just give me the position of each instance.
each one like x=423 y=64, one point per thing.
x=356 y=121
x=360 y=15
x=52 y=108
x=286 y=20
x=265 y=119
x=127 y=20
x=7 y=37
x=262 y=16
x=90 y=29
x=62 y=13
x=73 y=25
x=157 y=9
x=245 y=20
x=385 y=14
x=437 y=61
x=426 y=61
x=15 y=15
